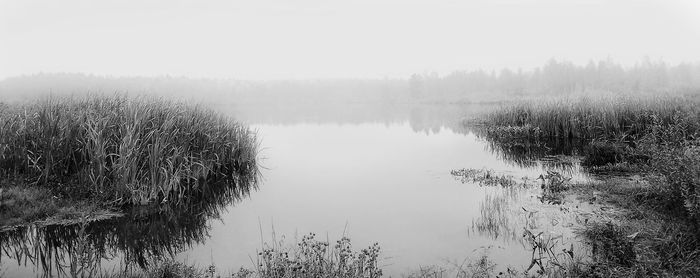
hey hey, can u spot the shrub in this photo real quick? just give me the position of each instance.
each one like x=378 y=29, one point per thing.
x=680 y=167
x=674 y=153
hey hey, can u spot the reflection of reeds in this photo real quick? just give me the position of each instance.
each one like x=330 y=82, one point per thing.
x=533 y=151
x=145 y=235
x=495 y=220
x=498 y=219
x=123 y=150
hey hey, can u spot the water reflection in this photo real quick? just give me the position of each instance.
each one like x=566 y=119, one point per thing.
x=497 y=220
x=381 y=171
x=133 y=241
x=550 y=154
x=422 y=118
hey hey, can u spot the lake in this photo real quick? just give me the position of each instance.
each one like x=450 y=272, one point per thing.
x=377 y=174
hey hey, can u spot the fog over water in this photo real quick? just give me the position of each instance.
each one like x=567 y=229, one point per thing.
x=311 y=39
x=361 y=111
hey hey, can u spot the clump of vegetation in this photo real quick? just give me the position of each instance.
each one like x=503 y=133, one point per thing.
x=174 y=269
x=584 y=118
x=309 y=258
x=510 y=132
x=314 y=258
x=483 y=177
x=674 y=154
x=553 y=184
x=547 y=258
x=123 y=151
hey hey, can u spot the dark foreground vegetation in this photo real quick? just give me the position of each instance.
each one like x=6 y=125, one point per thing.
x=113 y=151
x=657 y=138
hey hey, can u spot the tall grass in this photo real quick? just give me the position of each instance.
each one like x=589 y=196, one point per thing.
x=589 y=118
x=124 y=151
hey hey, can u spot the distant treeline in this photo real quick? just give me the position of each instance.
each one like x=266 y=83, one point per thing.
x=561 y=78
x=554 y=78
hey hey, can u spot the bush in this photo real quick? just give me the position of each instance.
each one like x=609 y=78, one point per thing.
x=674 y=152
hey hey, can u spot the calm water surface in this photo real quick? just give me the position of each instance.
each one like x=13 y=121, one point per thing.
x=382 y=180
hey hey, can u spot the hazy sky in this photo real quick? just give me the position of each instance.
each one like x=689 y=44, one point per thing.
x=291 y=39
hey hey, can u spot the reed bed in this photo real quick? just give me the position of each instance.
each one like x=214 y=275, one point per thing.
x=122 y=150
x=589 y=118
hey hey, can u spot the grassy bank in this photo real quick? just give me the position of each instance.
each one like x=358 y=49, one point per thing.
x=644 y=237
x=657 y=138
x=114 y=151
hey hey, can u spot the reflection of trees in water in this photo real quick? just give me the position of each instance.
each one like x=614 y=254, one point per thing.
x=422 y=118
x=143 y=235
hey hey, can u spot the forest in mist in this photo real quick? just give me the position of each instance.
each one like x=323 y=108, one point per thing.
x=555 y=78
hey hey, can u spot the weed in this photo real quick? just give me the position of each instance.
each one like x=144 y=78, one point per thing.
x=314 y=258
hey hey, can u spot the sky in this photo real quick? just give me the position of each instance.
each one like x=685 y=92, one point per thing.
x=317 y=39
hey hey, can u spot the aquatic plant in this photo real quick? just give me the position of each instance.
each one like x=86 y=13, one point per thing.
x=483 y=177
x=123 y=150
x=553 y=184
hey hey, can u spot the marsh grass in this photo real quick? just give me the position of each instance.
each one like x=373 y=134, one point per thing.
x=122 y=150
x=653 y=135
x=590 y=118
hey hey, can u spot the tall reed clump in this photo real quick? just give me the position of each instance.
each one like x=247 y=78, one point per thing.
x=125 y=151
x=585 y=118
